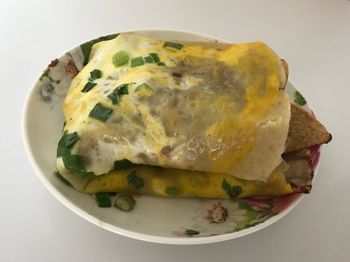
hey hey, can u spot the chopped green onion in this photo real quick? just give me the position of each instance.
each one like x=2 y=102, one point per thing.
x=86 y=47
x=75 y=164
x=95 y=74
x=143 y=86
x=299 y=99
x=155 y=57
x=231 y=191
x=66 y=143
x=100 y=112
x=171 y=191
x=71 y=162
x=124 y=202
x=62 y=179
x=191 y=232
x=118 y=92
x=103 y=199
x=235 y=191
x=135 y=180
x=148 y=59
x=120 y=58
x=112 y=193
x=122 y=164
x=137 y=61
x=88 y=87
x=161 y=64
x=177 y=46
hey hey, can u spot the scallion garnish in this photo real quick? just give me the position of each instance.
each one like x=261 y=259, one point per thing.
x=122 y=164
x=66 y=143
x=177 y=46
x=135 y=180
x=120 y=58
x=155 y=57
x=191 y=232
x=88 y=87
x=171 y=191
x=148 y=59
x=86 y=47
x=233 y=191
x=95 y=74
x=118 y=92
x=100 y=112
x=124 y=202
x=63 y=180
x=136 y=61
x=75 y=164
x=161 y=64
x=103 y=199
x=71 y=162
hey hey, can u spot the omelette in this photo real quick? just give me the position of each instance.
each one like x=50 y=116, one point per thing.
x=190 y=119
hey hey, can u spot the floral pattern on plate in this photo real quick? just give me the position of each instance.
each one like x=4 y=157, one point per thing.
x=216 y=217
x=54 y=82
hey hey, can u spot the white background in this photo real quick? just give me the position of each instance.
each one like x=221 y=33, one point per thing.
x=313 y=36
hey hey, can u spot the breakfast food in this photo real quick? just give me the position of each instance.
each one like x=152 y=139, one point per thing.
x=185 y=119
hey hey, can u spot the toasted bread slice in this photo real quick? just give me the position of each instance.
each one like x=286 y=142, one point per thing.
x=305 y=130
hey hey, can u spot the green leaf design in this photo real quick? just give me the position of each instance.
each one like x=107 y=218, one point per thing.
x=299 y=99
x=46 y=74
x=249 y=216
x=246 y=206
x=86 y=47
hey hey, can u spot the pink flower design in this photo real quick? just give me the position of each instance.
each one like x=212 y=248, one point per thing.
x=71 y=68
x=53 y=63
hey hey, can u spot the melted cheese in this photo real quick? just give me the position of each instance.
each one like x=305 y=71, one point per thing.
x=209 y=109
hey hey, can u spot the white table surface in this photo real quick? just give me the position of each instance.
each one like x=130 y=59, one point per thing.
x=313 y=36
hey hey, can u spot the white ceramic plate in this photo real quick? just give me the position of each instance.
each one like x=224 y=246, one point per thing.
x=154 y=219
